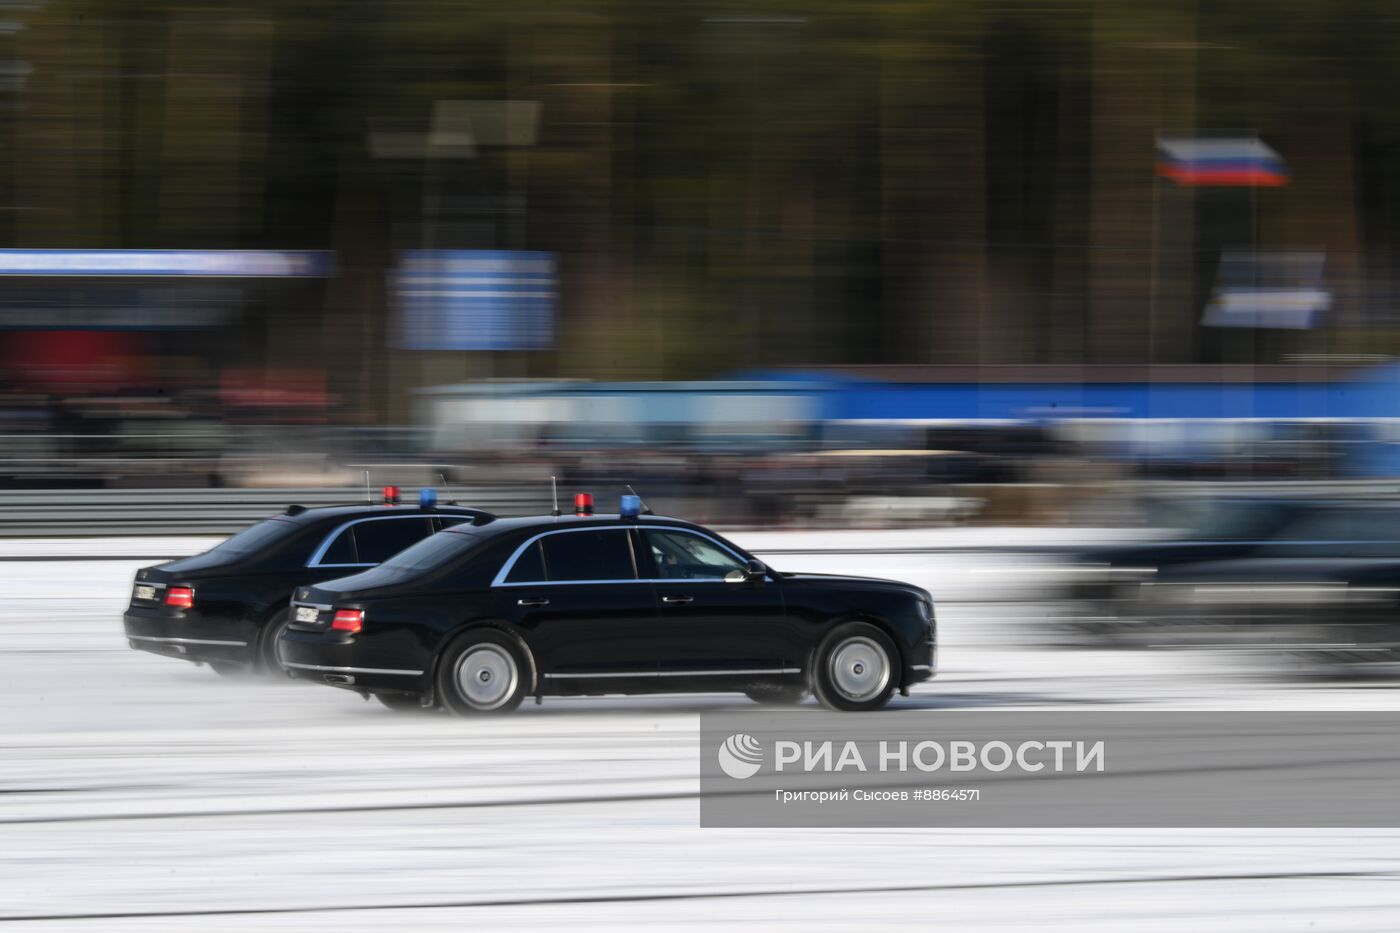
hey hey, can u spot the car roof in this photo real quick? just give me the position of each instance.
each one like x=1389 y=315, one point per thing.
x=546 y=522
x=365 y=511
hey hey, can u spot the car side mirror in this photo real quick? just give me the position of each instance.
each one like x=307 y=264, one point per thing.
x=753 y=570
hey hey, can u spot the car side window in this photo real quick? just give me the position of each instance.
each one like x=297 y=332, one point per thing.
x=377 y=541
x=447 y=521
x=341 y=550
x=529 y=566
x=588 y=555
x=682 y=556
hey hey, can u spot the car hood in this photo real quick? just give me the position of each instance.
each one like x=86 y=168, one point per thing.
x=846 y=581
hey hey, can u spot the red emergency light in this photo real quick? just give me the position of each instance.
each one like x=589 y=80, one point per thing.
x=583 y=504
x=391 y=495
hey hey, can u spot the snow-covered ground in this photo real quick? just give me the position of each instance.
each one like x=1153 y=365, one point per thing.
x=142 y=793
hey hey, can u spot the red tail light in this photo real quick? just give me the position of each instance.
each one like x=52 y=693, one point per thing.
x=348 y=620
x=181 y=597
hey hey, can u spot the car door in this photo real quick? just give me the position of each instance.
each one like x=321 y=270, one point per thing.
x=706 y=623
x=577 y=592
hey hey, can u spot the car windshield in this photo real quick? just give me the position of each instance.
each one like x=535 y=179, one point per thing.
x=1346 y=532
x=1225 y=520
x=255 y=538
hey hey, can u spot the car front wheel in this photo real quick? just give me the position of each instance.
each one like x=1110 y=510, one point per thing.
x=855 y=668
x=483 y=671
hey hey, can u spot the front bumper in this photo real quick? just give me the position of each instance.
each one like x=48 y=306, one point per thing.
x=185 y=635
x=923 y=663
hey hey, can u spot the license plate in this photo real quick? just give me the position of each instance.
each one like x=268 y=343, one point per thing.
x=307 y=613
x=145 y=592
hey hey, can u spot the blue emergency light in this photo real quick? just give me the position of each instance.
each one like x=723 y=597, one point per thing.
x=631 y=506
x=427 y=498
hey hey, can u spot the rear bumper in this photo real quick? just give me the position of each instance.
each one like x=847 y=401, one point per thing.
x=339 y=660
x=188 y=637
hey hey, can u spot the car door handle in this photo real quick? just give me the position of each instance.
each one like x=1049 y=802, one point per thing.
x=678 y=599
x=532 y=601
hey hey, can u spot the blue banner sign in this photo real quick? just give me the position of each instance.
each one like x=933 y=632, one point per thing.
x=213 y=263
x=476 y=300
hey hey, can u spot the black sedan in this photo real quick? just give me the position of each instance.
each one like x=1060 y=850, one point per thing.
x=483 y=615
x=225 y=607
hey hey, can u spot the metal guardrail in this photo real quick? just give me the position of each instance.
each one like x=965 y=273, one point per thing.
x=50 y=513
x=113 y=512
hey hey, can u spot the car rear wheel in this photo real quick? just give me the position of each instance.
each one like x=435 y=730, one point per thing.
x=856 y=668
x=483 y=672
x=269 y=658
x=777 y=694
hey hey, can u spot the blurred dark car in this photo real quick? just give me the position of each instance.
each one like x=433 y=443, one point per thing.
x=1324 y=587
x=226 y=607
x=1102 y=581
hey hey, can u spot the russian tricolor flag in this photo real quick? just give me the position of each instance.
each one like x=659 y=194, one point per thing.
x=1242 y=161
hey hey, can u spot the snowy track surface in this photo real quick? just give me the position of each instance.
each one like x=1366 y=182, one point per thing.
x=141 y=793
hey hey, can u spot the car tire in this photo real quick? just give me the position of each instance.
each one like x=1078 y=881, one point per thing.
x=777 y=694
x=268 y=661
x=857 y=668
x=484 y=672
x=401 y=702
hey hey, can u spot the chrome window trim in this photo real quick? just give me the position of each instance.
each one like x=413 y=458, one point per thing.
x=515 y=556
x=350 y=670
x=740 y=672
x=567 y=583
x=315 y=559
x=509 y=565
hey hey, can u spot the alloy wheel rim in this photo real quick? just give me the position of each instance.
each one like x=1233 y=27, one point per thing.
x=859 y=669
x=486 y=677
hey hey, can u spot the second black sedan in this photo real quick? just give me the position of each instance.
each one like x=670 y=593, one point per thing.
x=225 y=607
x=481 y=616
